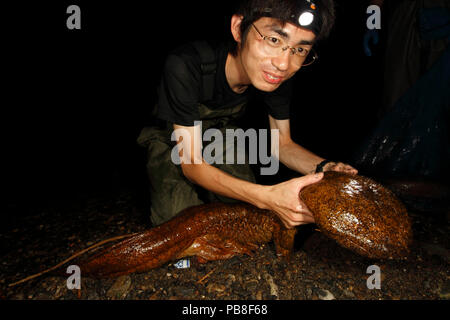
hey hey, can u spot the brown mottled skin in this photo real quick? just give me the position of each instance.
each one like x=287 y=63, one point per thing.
x=210 y=232
x=355 y=211
x=360 y=215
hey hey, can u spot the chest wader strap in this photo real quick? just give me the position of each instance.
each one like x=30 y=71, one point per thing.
x=208 y=66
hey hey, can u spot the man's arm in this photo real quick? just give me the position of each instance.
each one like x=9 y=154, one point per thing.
x=205 y=175
x=283 y=198
x=298 y=158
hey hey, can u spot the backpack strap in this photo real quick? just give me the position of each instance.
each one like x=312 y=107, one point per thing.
x=208 y=66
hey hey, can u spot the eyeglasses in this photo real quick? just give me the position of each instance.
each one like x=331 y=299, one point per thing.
x=301 y=56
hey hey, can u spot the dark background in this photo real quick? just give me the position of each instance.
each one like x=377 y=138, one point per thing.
x=74 y=101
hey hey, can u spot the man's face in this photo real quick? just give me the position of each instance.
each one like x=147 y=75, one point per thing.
x=266 y=71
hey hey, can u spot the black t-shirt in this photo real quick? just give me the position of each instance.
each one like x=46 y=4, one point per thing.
x=180 y=91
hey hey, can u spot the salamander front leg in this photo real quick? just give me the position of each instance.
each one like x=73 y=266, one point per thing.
x=284 y=242
x=213 y=247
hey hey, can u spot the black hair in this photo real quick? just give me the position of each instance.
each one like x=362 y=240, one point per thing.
x=282 y=10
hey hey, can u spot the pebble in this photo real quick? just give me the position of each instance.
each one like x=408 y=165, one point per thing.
x=231 y=278
x=259 y=295
x=214 y=287
x=251 y=285
x=325 y=295
x=288 y=275
x=348 y=293
x=272 y=285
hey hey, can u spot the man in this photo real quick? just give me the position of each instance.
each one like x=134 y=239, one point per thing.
x=273 y=40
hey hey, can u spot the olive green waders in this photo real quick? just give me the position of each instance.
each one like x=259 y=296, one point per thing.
x=170 y=190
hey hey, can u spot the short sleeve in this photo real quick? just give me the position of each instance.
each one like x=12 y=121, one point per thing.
x=179 y=91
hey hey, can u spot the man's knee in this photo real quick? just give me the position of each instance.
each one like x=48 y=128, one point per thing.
x=171 y=199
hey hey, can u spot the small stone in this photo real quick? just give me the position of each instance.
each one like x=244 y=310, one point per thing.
x=325 y=295
x=214 y=287
x=259 y=295
x=231 y=277
x=272 y=285
x=288 y=275
x=348 y=293
x=251 y=285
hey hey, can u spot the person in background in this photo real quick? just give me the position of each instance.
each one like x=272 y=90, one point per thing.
x=412 y=138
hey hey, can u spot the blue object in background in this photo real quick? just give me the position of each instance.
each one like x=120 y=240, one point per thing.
x=370 y=37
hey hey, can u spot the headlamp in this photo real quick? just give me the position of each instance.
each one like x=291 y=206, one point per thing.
x=307 y=15
x=306 y=18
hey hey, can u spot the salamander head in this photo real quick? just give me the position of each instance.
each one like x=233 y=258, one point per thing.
x=360 y=215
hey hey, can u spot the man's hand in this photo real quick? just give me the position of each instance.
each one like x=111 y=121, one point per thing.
x=285 y=201
x=340 y=167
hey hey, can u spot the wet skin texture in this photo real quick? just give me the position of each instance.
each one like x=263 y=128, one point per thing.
x=358 y=213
